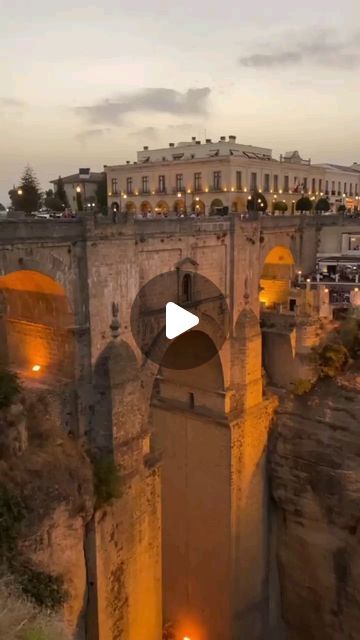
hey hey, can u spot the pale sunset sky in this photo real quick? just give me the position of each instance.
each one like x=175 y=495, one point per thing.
x=85 y=84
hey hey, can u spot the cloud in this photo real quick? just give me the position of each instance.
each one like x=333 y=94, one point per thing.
x=91 y=134
x=145 y=132
x=11 y=103
x=324 y=50
x=161 y=100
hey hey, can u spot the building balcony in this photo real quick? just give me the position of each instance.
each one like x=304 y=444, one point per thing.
x=161 y=192
x=216 y=188
x=177 y=190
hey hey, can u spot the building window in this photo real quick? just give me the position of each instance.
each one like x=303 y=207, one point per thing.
x=327 y=187
x=129 y=186
x=345 y=185
x=333 y=191
x=354 y=243
x=217 y=180
x=320 y=185
x=286 y=184
x=197 y=181
x=145 y=184
x=238 y=180
x=356 y=189
x=276 y=183
x=179 y=182
x=350 y=189
x=339 y=188
x=114 y=186
x=161 y=184
x=186 y=288
x=305 y=185
x=313 y=185
x=253 y=182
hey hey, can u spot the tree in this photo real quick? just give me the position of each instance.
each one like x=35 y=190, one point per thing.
x=60 y=192
x=101 y=193
x=53 y=203
x=27 y=196
x=304 y=204
x=2 y=208
x=322 y=205
x=341 y=208
x=280 y=206
x=257 y=202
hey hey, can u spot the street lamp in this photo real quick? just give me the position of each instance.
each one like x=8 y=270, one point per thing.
x=19 y=191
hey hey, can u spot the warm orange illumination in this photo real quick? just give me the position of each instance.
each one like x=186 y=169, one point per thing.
x=186 y=638
x=36 y=368
x=78 y=189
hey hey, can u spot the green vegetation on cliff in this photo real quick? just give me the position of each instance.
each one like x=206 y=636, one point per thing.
x=107 y=480
x=20 y=619
x=9 y=387
x=46 y=481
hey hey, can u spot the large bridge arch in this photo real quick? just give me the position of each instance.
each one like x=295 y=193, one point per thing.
x=189 y=428
x=36 y=326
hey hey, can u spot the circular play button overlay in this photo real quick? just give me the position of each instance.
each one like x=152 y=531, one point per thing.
x=180 y=319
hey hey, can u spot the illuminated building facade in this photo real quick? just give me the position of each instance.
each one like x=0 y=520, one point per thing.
x=219 y=177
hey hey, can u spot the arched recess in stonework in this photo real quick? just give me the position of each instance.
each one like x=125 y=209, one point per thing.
x=130 y=207
x=115 y=376
x=36 y=327
x=238 y=204
x=162 y=208
x=276 y=277
x=179 y=206
x=189 y=428
x=198 y=207
x=215 y=206
x=145 y=208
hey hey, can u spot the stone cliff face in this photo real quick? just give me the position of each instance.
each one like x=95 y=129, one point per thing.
x=46 y=500
x=315 y=473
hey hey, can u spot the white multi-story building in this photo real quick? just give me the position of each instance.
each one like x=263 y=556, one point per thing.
x=81 y=188
x=206 y=178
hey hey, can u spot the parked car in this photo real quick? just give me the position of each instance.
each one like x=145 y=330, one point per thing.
x=44 y=215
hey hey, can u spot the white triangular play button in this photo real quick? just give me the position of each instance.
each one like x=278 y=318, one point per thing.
x=178 y=320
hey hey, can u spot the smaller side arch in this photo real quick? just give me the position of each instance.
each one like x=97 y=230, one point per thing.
x=277 y=275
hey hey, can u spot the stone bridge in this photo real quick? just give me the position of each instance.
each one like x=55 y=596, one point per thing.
x=191 y=533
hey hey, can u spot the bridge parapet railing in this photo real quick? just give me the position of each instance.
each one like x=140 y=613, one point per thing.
x=13 y=230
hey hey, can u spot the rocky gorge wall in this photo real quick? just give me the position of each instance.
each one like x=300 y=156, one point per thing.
x=315 y=480
x=46 y=501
